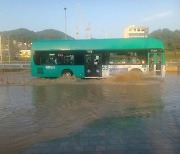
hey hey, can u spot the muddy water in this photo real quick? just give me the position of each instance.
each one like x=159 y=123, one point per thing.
x=35 y=112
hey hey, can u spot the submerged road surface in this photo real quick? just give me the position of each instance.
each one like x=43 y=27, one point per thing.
x=91 y=116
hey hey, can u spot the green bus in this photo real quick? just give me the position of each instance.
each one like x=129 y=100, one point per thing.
x=97 y=58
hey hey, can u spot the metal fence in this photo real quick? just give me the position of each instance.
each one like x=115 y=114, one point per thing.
x=15 y=65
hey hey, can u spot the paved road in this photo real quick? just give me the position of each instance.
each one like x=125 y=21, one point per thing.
x=150 y=134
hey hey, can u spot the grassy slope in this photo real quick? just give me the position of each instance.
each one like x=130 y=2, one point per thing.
x=172 y=56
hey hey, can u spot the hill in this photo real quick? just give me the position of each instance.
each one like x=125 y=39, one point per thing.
x=51 y=34
x=21 y=39
x=170 y=38
x=25 y=35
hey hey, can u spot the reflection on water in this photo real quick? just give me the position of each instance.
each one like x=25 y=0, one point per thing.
x=29 y=114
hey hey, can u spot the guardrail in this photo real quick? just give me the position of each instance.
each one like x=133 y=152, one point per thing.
x=173 y=63
x=173 y=66
x=4 y=65
x=14 y=62
x=175 y=60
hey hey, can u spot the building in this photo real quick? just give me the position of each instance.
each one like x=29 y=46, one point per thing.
x=135 y=31
x=24 y=53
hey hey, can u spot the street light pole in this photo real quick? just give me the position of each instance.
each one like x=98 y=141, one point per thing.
x=65 y=35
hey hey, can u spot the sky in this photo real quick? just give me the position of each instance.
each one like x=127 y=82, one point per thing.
x=105 y=18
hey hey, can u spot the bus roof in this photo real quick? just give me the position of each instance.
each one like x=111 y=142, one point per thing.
x=98 y=44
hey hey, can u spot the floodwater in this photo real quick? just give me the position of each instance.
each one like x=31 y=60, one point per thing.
x=49 y=108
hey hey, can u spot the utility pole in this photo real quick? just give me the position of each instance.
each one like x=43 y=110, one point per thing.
x=65 y=35
x=0 y=49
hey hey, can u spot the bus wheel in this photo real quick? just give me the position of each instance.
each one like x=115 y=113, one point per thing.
x=67 y=73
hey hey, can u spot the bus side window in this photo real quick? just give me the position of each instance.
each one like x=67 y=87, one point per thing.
x=79 y=59
x=69 y=59
x=105 y=59
x=47 y=61
x=60 y=59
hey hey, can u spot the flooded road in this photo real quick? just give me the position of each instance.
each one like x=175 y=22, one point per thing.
x=33 y=113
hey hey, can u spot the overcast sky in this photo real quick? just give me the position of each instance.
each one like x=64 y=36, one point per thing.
x=106 y=18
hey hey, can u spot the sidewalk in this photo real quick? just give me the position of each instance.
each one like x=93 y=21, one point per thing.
x=157 y=133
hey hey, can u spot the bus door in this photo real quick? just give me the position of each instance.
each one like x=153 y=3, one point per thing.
x=155 y=60
x=93 y=65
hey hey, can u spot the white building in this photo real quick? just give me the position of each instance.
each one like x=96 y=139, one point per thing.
x=135 y=31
